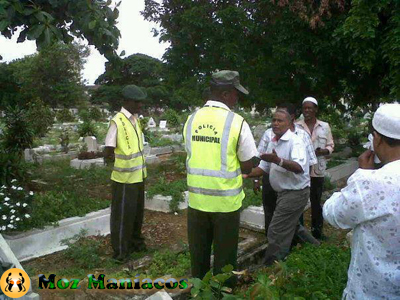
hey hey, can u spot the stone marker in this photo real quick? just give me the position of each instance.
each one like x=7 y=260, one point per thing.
x=151 y=123
x=91 y=143
x=163 y=124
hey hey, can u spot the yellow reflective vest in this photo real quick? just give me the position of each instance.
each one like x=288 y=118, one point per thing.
x=214 y=177
x=129 y=165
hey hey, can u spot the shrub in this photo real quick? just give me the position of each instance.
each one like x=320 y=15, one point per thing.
x=96 y=114
x=172 y=117
x=64 y=115
x=15 y=204
x=12 y=167
x=40 y=116
x=18 y=133
x=87 y=129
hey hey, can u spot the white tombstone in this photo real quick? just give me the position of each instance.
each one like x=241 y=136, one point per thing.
x=163 y=124
x=151 y=123
x=91 y=143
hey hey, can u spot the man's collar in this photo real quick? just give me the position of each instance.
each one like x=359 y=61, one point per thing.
x=288 y=134
x=126 y=113
x=217 y=104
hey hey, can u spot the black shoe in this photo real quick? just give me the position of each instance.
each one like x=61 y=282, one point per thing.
x=140 y=248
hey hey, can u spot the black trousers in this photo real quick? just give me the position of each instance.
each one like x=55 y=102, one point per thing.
x=269 y=197
x=126 y=219
x=317 y=219
x=206 y=228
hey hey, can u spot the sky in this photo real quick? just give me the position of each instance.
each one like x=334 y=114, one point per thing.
x=136 y=37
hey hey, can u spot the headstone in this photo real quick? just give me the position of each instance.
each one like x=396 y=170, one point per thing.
x=151 y=123
x=28 y=154
x=163 y=124
x=91 y=143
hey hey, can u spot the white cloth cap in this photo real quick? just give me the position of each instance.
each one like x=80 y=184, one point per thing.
x=311 y=99
x=386 y=120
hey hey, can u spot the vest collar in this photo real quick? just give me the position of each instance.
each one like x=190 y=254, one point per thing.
x=217 y=104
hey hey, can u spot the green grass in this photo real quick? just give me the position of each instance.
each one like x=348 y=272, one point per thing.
x=309 y=272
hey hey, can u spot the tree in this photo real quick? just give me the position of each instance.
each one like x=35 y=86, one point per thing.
x=139 y=69
x=61 y=20
x=52 y=75
x=285 y=50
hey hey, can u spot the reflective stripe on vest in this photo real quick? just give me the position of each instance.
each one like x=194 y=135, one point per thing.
x=223 y=173
x=129 y=165
x=217 y=175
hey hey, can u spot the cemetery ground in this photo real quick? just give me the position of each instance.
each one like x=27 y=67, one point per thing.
x=61 y=192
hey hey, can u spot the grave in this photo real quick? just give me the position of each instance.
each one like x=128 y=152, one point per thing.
x=161 y=203
x=163 y=126
x=86 y=163
x=91 y=143
x=151 y=123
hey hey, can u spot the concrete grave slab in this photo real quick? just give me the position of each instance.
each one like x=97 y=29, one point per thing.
x=39 y=242
x=161 y=203
x=86 y=163
x=343 y=170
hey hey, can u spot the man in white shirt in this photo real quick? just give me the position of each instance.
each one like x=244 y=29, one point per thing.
x=370 y=205
x=286 y=162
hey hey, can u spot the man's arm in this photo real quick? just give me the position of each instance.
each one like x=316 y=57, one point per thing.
x=109 y=155
x=289 y=165
x=246 y=149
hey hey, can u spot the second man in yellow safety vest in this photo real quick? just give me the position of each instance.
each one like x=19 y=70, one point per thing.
x=124 y=141
x=219 y=147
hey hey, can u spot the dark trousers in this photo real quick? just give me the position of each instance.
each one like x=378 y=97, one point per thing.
x=317 y=219
x=204 y=228
x=126 y=219
x=269 y=197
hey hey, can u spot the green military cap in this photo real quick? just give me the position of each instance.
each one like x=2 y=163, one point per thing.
x=227 y=77
x=133 y=92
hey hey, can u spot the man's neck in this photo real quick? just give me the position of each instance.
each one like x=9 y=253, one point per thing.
x=392 y=157
x=311 y=121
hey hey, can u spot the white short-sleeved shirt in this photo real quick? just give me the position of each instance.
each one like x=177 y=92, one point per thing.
x=370 y=205
x=247 y=146
x=267 y=137
x=111 y=137
x=289 y=147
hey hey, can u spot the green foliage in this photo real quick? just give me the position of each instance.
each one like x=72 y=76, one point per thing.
x=15 y=205
x=174 y=189
x=96 y=114
x=328 y=185
x=40 y=116
x=12 y=167
x=172 y=117
x=86 y=252
x=212 y=287
x=87 y=128
x=309 y=273
x=168 y=262
x=139 y=69
x=251 y=199
x=283 y=49
x=64 y=140
x=18 y=131
x=64 y=116
x=50 y=207
x=155 y=140
x=58 y=20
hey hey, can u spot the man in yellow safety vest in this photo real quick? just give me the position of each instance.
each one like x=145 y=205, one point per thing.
x=124 y=141
x=219 y=147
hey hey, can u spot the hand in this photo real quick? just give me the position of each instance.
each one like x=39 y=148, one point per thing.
x=270 y=157
x=366 y=160
x=256 y=186
x=321 y=152
x=245 y=176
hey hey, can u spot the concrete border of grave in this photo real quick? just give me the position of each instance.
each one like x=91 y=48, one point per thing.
x=343 y=170
x=40 y=242
x=32 y=156
x=86 y=163
x=7 y=255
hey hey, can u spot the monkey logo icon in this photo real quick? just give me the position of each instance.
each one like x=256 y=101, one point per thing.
x=15 y=283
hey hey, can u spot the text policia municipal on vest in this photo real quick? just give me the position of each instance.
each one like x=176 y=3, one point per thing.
x=204 y=138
